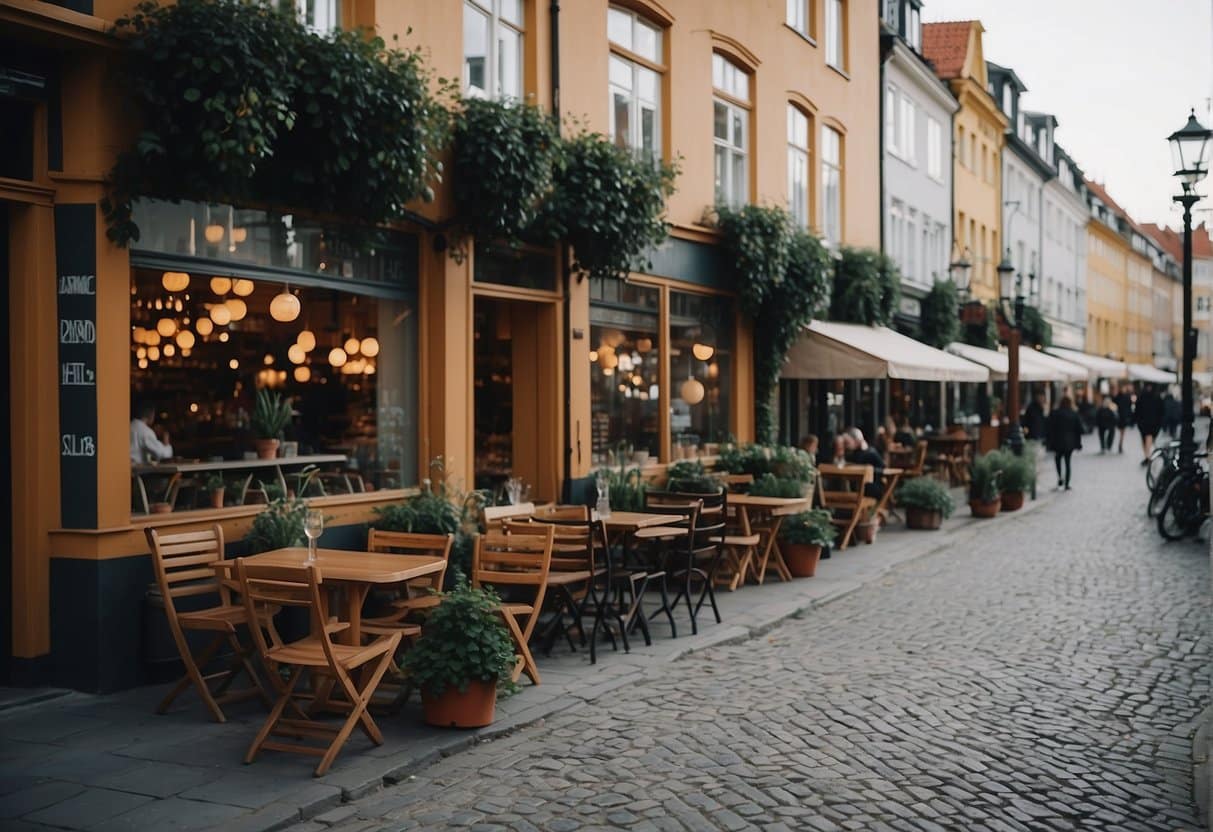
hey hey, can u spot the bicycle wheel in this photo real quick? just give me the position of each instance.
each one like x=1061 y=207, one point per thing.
x=1159 y=460
x=1159 y=491
x=1180 y=509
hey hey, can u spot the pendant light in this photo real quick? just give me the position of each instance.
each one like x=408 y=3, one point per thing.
x=703 y=351
x=221 y=285
x=303 y=374
x=243 y=287
x=370 y=346
x=221 y=315
x=175 y=281
x=213 y=232
x=352 y=346
x=284 y=307
x=692 y=391
x=296 y=354
x=337 y=357
x=237 y=307
x=205 y=326
x=307 y=340
x=185 y=339
x=166 y=327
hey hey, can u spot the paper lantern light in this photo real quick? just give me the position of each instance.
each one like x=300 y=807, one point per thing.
x=213 y=232
x=153 y=353
x=352 y=345
x=284 y=307
x=221 y=285
x=205 y=326
x=337 y=357
x=237 y=307
x=166 y=327
x=175 y=281
x=692 y=391
x=185 y=339
x=242 y=287
x=703 y=351
x=303 y=374
x=370 y=347
x=307 y=340
x=296 y=354
x=221 y=315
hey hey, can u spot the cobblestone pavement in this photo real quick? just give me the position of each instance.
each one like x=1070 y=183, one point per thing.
x=1047 y=678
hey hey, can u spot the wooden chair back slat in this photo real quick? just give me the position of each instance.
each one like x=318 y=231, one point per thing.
x=513 y=558
x=175 y=558
x=573 y=512
x=264 y=587
x=411 y=543
x=492 y=517
x=573 y=543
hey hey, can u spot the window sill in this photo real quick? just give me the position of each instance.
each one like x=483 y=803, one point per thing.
x=807 y=38
x=840 y=71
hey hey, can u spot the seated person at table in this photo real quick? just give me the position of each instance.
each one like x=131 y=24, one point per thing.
x=839 y=448
x=904 y=436
x=146 y=446
x=860 y=453
x=809 y=444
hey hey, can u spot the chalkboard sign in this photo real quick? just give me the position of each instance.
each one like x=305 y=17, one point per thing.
x=76 y=287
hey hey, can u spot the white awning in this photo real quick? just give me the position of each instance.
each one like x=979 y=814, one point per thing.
x=1099 y=366
x=1033 y=365
x=1144 y=372
x=827 y=350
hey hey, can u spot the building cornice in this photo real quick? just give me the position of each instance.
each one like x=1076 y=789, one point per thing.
x=1030 y=157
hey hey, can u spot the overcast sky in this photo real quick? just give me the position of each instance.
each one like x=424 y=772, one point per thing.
x=1120 y=75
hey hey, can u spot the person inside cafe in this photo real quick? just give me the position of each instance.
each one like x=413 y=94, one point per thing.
x=860 y=453
x=809 y=443
x=148 y=446
x=904 y=435
x=839 y=445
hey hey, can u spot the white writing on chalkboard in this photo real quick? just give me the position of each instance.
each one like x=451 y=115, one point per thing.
x=74 y=444
x=77 y=374
x=77 y=284
x=77 y=331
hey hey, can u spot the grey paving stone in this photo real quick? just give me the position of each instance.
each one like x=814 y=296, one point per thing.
x=88 y=808
x=37 y=796
x=174 y=814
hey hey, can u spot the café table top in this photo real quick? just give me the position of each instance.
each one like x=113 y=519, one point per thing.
x=345 y=565
x=196 y=466
x=778 y=505
x=637 y=519
x=892 y=471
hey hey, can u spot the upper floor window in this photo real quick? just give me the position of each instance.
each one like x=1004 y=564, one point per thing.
x=731 y=130
x=798 y=165
x=909 y=130
x=1007 y=98
x=934 y=149
x=799 y=16
x=635 y=81
x=492 y=48
x=835 y=34
x=319 y=15
x=914 y=29
x=831 y=185
x=892 y=120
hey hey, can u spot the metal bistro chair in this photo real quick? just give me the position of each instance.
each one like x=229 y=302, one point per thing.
x=662 y=542
x=705 y=546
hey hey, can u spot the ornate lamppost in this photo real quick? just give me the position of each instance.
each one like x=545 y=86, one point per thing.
x=1190 y=150
x=1012 y=302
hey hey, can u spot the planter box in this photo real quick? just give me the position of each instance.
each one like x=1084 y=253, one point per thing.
x=473 y=708
x=801 y=558
x=921 y=518
x=985 y=508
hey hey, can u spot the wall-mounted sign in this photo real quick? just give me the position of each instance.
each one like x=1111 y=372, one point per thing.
x=76 y=287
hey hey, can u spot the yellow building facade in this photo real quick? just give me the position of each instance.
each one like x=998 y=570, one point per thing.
x=978 y=128
x=1107 y=290
x=496 y=361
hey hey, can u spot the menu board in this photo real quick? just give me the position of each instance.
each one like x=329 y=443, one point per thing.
x=76 y=288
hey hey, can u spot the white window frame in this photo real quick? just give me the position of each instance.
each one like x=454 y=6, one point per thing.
x=835 y=34
x=797 y=16
x=637 y=104
x=492 y=69
x=907 y=128
x=892 y=114
x=934 y=149
x=799 y=161
x=831 y=222
x=732 y=86
x=324 y=16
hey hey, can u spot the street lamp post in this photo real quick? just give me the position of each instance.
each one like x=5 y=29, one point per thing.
x=1190 y=150
x=1012 y=294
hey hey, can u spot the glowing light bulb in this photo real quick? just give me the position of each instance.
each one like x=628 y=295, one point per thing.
x=352 y=345
x=221 y=285
x=234 y=364
x=296 y=354
x=307 y=340
x=284 y=307
x=370 y=347
x=205 y=326
x=303 y=374
x=166 y=326
x=213 y=233
x=703 y=351
x=337 y=357
x=175 y=281
x=237 y=307
x=243 y=287
x=221 y=314
x=185 y=339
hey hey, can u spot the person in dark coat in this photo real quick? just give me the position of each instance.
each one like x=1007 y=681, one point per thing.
x=1105 y=421
x=1033 y=419
x=1064 y=436
x=1148 y=413
x=1172 y=410
x=1124 y=412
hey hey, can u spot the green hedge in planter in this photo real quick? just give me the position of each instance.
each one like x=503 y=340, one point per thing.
x=440 y=508
x=769 y=485
x=756 y=459
x=1016 y=473
x=926 y=494
x=690 y=477
x=985 y=478
x=939 y=324
x=809 y=528
x=866 y=288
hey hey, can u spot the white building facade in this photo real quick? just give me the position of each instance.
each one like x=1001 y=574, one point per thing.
x=1063 y=298
x=916 y=158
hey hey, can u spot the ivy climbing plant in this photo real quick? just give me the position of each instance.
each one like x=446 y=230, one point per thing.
x=939 y=323
x=1035 y=331
x=782 y=277
x=240 y=102
x=866 y=288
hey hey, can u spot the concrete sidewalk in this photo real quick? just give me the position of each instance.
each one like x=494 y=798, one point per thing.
x=109 y=763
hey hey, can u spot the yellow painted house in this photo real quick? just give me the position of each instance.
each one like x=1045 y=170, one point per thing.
x=1108 y=286
x=979 y=127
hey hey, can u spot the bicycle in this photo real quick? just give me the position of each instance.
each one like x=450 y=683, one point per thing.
x=1162 y=457
x=1185 y=507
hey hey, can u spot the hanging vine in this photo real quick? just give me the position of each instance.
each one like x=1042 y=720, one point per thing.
x=939 y=324
x=866 y=288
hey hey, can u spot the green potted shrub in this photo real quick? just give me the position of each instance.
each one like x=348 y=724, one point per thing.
x=1018 y=475
x=271 y=415
x=215 y=488
x=769 y=485
x=926 y=501
x=690 y=477
x=985 y=490
x=801 y=538
x=278 y=526
x=463 y=652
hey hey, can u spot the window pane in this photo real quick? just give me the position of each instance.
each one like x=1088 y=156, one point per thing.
x=717 y=71
x=621 y=122
x=619 y=27
x=738 y=119
x=722 y=172
x=648 y=42
x=509 y=63
x=648 y=130
x=475 y=48
x=720 y=120
x=738 y=185
x=624 y=360
x=621 y=73
x=510 y=10
x=646 y=84
x=701 y=354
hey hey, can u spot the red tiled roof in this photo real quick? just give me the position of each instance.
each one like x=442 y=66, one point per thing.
x=1172 y=241
x=945 y=45
x=1102 y=194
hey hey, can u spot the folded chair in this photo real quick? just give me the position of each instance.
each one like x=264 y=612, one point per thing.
x=301 y=587
x=519 y=562
x=419 y=594
x=183 y=564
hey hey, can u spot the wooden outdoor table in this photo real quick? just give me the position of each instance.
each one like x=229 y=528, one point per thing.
x=774 y=508
x=355 y=572
x=628 y=521
x=889 y=477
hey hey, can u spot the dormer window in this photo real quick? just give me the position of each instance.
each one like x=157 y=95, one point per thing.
x=1008 y=102
x=914 y=29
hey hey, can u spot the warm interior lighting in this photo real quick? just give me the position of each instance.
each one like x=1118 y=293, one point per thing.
x=692 y=391
x=166 y=327
x=205 y=326
x=221 y=315
x=185 y=339
x=284 y=307
x=307 y=340
x=703 y=351
x=237 y=307
x=303 y=374
x=175 y=281
x=213 y=233
x=243 y=287
x=352 y=346
x=221 y=285
x=296 y=354
x=337 y=357
x=370 y=347
x=234 y=364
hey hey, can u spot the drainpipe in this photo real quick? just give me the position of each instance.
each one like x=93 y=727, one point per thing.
x=565 y=272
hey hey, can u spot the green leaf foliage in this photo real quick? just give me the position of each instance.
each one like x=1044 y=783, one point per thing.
x=927 y=494
x=278 y=526
x=985 y=478
x=866 y=288
x=939 y=323
x=504 y=157
x=1015 y=473
x=271 y=414
x=757 y=460
x=626 y=487
x=608 y=204
x=782 y=278
x=689 y=477
x=809 y=528
x=1035 y=331
x=769 y=485
x=983 y=335
x=464 y=640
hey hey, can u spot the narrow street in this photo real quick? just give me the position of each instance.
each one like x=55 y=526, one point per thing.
x=1048 y=679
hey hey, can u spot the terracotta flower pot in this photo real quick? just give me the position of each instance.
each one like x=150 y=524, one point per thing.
x=472 y=708
x=801 y=559
x=866 y=532
x=217 y=498
x=1012 y=500
x=267 y=448
x=922 y=518
x=985 y=508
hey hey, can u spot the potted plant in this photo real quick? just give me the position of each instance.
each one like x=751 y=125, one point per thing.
x=801 y=539
x=1018 y=477
x=278 y=526
x=926 y=501
x=214 y=488
x=463 y=651
x=865 y=529
x=689 y=477
x=271 y=415
x=985 y=494
x=769 y=485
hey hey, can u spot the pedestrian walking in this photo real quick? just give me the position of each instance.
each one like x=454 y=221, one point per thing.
x=1171 y=412
x=1124 y=412
x=1064 y=437
x=1106 y=421
x=1148 y=413
x=1033 y=419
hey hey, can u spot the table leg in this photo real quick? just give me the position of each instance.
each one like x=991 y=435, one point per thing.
x=781 y=566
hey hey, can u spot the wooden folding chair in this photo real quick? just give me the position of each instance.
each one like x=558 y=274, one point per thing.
x=264 y=586
x=520 y=561
x=741 y=544
x=184 y=567
x=842 y=493
x=421 y=593
x=492 y=518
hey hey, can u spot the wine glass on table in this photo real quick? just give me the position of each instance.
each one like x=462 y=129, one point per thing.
x=313 y=526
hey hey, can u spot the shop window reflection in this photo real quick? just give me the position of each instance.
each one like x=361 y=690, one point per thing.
x=701 y=368
x=625 y=361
